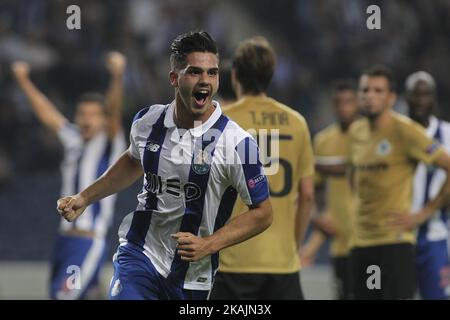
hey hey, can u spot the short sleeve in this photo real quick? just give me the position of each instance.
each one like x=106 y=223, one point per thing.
x=419 y=146
x=133 y=148
x=246 y=173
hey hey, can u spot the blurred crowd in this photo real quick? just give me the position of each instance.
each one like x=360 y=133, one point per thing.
x=317 y=42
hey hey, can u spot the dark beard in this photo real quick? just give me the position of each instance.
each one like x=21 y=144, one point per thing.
x=369 y=115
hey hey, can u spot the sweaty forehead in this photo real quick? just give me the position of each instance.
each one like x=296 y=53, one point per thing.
x=204 y=60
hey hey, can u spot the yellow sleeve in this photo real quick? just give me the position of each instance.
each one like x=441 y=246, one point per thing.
x=306 y=161
x=419 y=146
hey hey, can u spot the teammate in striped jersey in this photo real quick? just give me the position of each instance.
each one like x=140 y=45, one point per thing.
x=432 y=256
x=90 y=145
x=195 y=161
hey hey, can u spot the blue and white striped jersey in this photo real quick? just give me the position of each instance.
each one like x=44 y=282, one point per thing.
x=83 y=163
x=428 y=181
x=192 y=178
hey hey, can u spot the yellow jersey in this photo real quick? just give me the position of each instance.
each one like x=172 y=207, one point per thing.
x=274 y=250
x=331 y=148
x=383 y=163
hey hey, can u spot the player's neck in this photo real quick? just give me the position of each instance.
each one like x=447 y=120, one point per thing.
x=186 y=120
x=381 y=121
x=252 y=95
x=345 y=125
x=424 y=121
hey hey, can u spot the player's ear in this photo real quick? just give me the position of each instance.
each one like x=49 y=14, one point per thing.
x=393 y=97
x=173 y=77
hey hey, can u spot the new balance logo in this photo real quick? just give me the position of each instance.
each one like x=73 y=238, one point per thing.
x=153 y=147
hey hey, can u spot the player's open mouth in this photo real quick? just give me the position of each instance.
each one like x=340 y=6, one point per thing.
x=201 y=96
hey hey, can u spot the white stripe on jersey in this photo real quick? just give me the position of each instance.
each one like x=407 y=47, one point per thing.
x=87 y=156
x=437 y=230
x=176 y=190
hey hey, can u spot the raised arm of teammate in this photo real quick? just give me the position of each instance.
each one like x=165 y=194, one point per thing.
x=42 y=107
x=115 y=63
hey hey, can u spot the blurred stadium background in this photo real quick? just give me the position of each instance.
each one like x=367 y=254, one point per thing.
x=317 y=42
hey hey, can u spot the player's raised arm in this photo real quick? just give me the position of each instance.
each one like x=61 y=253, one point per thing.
x=115 y=63
x=124 y=172
x=44 y=109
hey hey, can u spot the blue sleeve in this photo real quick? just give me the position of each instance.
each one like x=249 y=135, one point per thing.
x=247 y=173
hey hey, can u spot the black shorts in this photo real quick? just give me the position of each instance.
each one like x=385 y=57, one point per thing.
x=384 y=272
x=256 y=286
x=342 y=267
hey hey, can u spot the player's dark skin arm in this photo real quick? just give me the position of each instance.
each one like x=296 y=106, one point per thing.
x=241 y=228
x=406 y=220
x=332 y=170
x=123 y=173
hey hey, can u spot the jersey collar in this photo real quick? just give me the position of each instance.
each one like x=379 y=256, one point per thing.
x=199 y=130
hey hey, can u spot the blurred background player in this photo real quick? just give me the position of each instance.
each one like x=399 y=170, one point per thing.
x=267 y=266
x=384 y=148
x=330 y=150
x=90 y=145
x=432 y=260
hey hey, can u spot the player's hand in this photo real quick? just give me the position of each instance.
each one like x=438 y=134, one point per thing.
x=71 y=207
x=404 y=221
x=115 y=63
x=191 y=247
x=307 y=258
x=325 y=223
x=20 y=69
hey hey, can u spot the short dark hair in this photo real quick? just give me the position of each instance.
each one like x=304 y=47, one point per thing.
x=381 y=71
x=194 y=41
x=92 y=97
x=254 y=63
x=343 y=85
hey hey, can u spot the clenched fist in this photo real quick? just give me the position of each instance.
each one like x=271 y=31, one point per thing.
x=116 y=62
x=20 y=69
x=71 y=207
